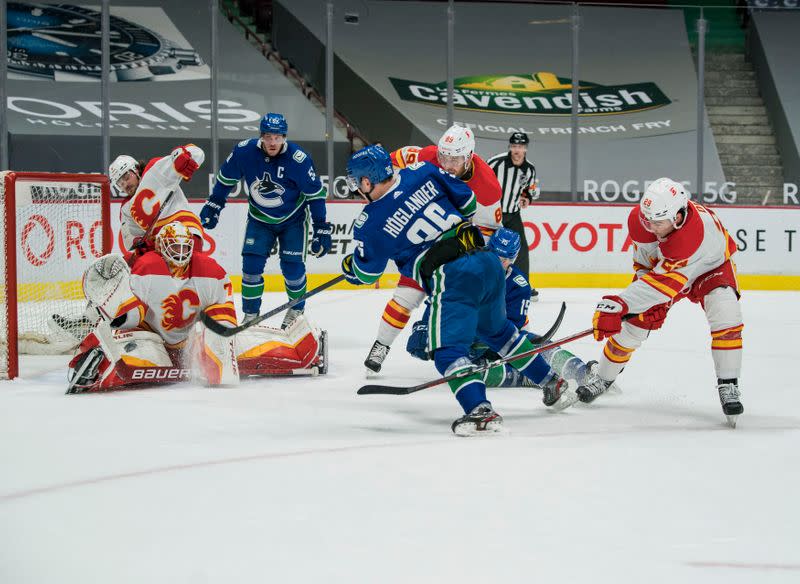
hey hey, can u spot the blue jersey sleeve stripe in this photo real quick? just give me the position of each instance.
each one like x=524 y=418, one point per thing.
x=469 y=207
x=363 y=275
x=225 y=180
x=320 y=194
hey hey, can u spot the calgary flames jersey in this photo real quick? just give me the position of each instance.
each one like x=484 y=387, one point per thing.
x=159 y=179
x=482 y=180
x=169 y=305
x=666 y=268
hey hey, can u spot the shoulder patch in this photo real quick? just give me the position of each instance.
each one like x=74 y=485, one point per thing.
x=299 y=155
x=243 y=143
x=361 y=219
x=415 y=165
x=520 y=280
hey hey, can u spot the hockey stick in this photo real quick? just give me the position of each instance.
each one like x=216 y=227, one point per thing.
x=393 y=390
x=225 y=331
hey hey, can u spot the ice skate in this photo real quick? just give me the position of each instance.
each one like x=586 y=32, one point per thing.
x=374 y=360
x=557 y=393
x=291 y=316
x=592 y=385
x=729 y=396
x=481 y=420
x=248 y=316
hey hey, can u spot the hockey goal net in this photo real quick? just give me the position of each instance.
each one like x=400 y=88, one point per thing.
x=52 y=226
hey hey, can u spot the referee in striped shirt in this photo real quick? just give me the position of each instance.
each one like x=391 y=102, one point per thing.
x=517 y=178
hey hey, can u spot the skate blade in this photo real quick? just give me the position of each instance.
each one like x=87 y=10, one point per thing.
x=370 y=374
x=469 y=430
x=732 y=420
x=568 y=397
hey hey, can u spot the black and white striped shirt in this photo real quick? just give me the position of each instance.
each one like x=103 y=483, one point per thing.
x=513 y=179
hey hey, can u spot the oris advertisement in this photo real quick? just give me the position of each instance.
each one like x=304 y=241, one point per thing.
x=160 y=86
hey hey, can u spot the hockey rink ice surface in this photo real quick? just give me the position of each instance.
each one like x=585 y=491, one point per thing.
x=301 y=480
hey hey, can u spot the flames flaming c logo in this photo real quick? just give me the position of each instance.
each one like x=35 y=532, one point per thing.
x=173 y=306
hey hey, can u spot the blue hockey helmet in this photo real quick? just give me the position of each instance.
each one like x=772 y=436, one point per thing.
x=372 y=162
x=274 y=124
x=505 y=243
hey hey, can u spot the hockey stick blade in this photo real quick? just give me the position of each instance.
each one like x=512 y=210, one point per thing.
x=225 y=331
x=394 y=390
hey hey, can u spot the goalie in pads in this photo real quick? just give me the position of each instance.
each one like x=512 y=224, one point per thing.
x=147 y=333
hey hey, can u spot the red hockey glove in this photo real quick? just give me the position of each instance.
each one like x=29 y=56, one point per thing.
x=652 y=318
x=607 y=320
x=184 y=163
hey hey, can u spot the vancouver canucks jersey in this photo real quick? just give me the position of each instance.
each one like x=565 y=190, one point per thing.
x=518 y=296
x=403 y=224
x=279 y=186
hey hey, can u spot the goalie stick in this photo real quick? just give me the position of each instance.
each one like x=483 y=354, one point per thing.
x=393 y=390
x=226 y=331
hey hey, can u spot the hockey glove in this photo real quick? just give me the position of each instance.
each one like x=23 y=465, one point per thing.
x=140 y=246
x=209 y=214
x=417 y=344
x=183 y=162
x=652 y=318
x=347 y=270
x=321 y=243
x=608 y=315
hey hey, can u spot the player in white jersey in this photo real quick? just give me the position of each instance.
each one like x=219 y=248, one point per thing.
x=681 y=250
x=155 y=196
x=155 y=199
x=154 y=308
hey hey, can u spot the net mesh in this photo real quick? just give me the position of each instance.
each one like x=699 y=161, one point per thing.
x=59 y=233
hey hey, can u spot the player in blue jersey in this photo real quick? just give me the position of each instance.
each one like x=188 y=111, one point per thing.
x=284 y=190
x=506 y=245
x=418 y=219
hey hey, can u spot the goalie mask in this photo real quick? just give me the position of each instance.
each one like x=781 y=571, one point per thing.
x=175 y=244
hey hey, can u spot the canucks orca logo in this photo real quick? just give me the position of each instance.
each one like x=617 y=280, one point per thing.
x=266 y=193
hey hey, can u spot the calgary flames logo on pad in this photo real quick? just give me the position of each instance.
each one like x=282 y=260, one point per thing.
x=173 y=307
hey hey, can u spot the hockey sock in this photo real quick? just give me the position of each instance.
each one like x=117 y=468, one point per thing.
x=296 y=289
x=534 y=367
x=252 y=290
x=469 y=390
x=394 y=319
x=566 y=364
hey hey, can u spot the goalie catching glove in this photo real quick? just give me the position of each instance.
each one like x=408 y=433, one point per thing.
x=106 y=284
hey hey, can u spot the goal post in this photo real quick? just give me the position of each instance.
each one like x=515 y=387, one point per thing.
x=53 y=226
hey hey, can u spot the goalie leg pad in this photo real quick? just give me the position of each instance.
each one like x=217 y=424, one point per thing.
x=297 y=349
x=216 y=357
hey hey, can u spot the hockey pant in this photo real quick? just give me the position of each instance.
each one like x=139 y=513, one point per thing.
x=468 y=301
x=259 y=240
x=724 y=315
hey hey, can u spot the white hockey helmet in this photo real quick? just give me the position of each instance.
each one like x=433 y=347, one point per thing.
x=663 y=199
x=457 y=142
x=121 y=165
x=175 y=244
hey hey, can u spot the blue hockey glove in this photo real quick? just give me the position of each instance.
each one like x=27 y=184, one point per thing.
x=209 y=214
x=417 y=344
x=347 y=270
x=321 y=243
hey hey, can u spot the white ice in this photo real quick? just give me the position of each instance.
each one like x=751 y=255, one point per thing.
x=301 y=480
